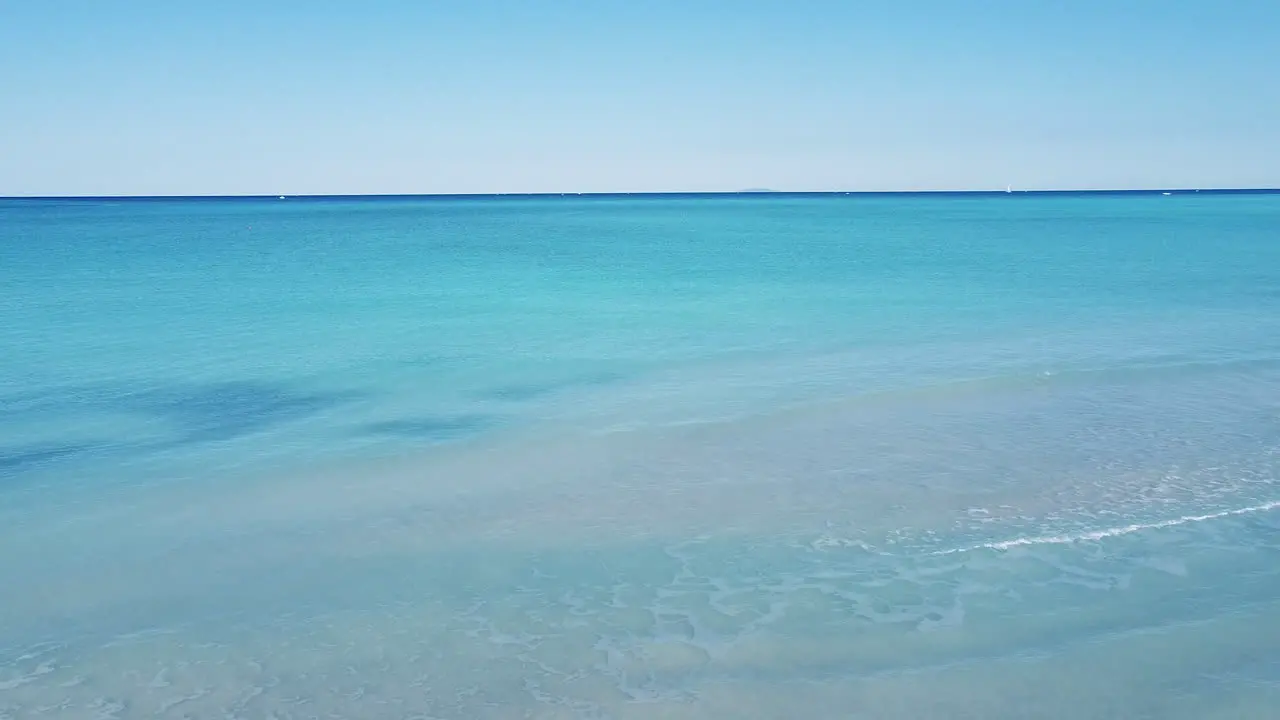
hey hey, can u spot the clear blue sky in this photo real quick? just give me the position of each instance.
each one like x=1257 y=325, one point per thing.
x=422 y=96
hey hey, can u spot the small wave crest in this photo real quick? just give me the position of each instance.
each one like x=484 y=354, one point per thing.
x=1094 y=535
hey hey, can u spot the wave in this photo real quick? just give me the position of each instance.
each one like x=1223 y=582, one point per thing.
x=1109 y=532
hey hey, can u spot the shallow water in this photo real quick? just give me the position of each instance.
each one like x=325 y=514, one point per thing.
x=756 y=456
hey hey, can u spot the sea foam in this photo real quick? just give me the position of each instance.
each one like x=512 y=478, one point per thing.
x=1094 y=535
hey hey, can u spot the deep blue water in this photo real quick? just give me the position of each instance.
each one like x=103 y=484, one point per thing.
x=957 y=455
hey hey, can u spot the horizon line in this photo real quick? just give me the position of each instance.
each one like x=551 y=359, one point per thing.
x=650 y=193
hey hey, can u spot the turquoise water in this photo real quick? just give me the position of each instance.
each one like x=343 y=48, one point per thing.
x=775 y=456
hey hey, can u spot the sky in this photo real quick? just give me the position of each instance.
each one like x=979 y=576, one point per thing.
x=142 y=97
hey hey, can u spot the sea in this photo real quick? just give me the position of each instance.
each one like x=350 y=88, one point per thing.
x=763 y=455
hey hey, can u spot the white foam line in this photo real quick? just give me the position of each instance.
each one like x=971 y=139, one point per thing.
x=1109 y=532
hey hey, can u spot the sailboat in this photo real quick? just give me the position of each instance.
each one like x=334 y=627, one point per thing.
x=1008 y=188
